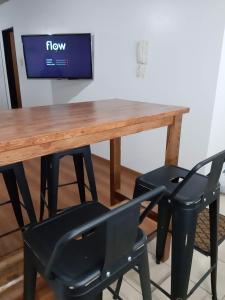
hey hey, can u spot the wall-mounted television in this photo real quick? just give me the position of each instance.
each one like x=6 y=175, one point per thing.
x=58 y=56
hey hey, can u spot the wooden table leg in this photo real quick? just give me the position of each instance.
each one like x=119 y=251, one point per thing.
x=115 y=168
x=173 y=141
x=171 y=158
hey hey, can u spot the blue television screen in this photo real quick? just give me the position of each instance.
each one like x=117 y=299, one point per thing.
x=58 y=56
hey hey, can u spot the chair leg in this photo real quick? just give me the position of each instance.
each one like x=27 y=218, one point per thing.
x=10 y=182
x=60 y=295
x=79 y=168
x=25 y=192
x=118 y=287
x=213 y=215
x=98 y=297
x=53 y=181
x=164 y=217
x=144 y=275
x=30 y=275
x=183 y=236
x=43 y=181
x=90 y=173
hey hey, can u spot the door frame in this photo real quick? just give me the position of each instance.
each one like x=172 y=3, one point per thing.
x=11 y=65
x=5 y=100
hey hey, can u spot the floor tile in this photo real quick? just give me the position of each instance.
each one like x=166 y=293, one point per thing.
x=127 y=292
x=158 y=273
x=221 y=252
x=200 y=265
x=199 y=294
x=152 y=246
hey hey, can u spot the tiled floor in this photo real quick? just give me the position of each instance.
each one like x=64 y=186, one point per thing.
x=161 y=274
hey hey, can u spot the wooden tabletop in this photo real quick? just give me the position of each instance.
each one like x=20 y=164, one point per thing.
x=46 y=129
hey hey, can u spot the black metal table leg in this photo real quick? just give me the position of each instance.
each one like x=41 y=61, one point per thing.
x=90 y=174
x=43 y=181
x=163 y=222
x=145 y=277
x=79 y=168
x=30 y=275
x=213 y=216
x=25 y=192
x=53 y=181
x=184 y=222
x=10 y=182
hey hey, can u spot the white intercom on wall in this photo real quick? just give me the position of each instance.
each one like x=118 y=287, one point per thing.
x=142 y=58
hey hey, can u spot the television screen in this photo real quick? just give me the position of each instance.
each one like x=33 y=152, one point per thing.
x=58 y=56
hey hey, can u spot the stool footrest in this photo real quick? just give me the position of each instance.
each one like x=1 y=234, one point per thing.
x=156 y=285
x=70 y=183
x=201 y=280
x=161 y=289
x=191 y=291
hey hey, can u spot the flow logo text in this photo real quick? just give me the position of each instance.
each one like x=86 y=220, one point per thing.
x=55 y=46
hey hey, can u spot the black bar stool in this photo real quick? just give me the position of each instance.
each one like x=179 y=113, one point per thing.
x=50 y=177
x=90 y=248
x=14 y=178
x=188 y=193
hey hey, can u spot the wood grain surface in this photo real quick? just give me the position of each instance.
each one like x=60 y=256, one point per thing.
x=32 y=132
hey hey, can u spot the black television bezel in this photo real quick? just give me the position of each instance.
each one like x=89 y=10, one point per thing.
x=60 y=34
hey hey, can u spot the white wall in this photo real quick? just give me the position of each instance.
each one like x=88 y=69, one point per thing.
x=20 y=15
x=185 y=39
x=217 y=134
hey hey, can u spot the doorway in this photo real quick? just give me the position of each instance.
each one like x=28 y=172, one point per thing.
x=12 y=68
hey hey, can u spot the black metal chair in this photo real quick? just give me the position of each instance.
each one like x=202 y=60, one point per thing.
x=86 y=248
x=50 y=177
x=188 y=193
x=14 y=178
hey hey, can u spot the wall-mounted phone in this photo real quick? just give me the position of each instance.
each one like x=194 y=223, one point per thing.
x=142 y=58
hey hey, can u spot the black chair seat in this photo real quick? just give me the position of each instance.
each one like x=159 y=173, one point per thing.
x=83 y=250
x=86 y=254
x=171 y=177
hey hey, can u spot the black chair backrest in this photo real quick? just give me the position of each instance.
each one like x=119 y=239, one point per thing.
x=217 y=162
x=121 y=231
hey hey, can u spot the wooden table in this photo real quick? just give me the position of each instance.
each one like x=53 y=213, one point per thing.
x=32 y=132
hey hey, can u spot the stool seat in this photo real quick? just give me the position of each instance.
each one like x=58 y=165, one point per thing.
x=86 y=248
x=171 y=177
